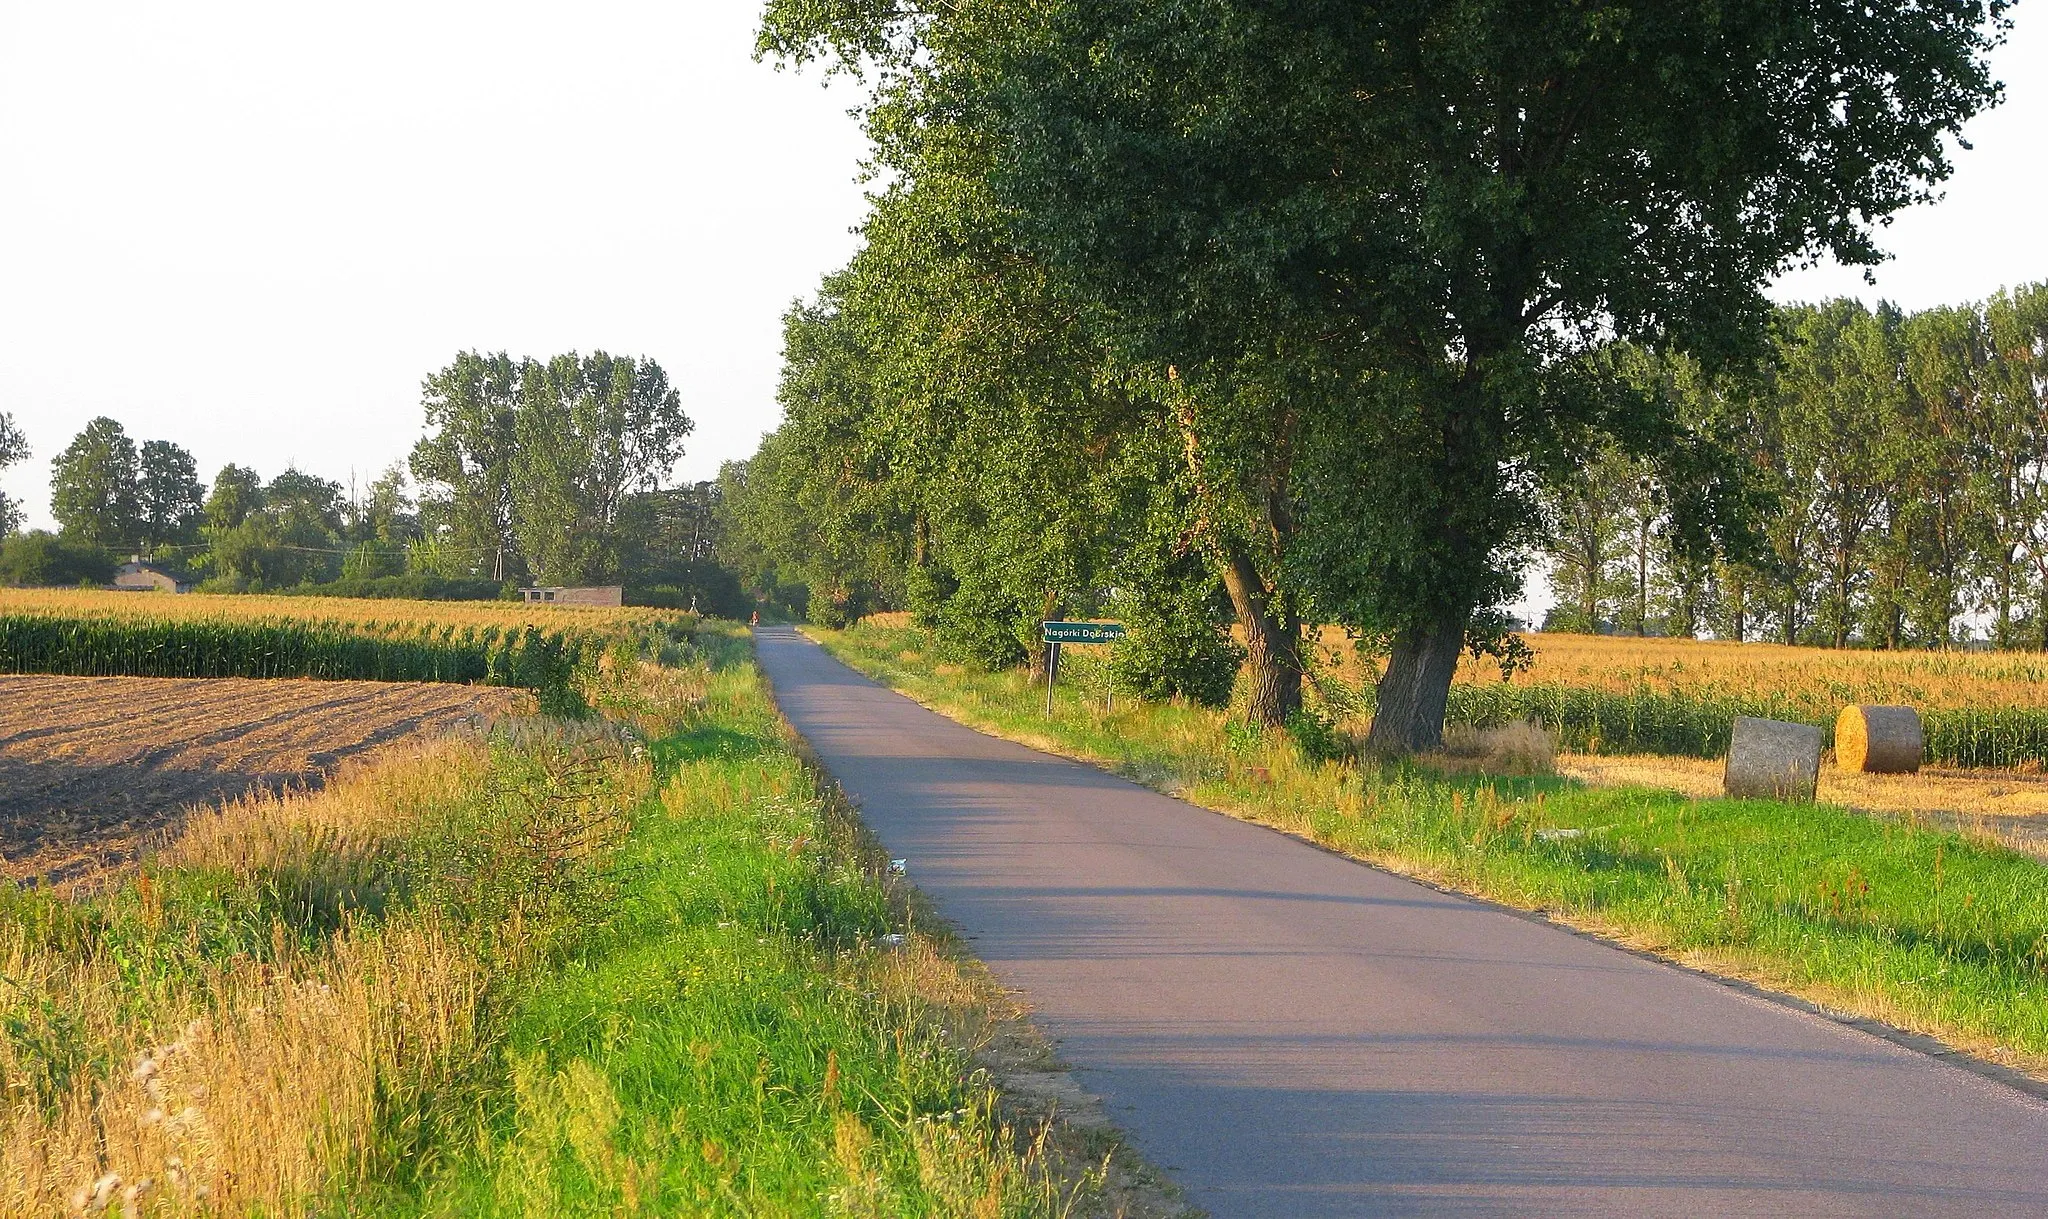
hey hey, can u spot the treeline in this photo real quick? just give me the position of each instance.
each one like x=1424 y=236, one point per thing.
x=529 y=472
x=1265 y=316
x=1898 y=485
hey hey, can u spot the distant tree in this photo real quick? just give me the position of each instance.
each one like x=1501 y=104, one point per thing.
x=387 y=513
x=237 y=491
x=13 y=449
x=590 y=431
x=42 y=559
x=464 y=464
x=1944 y=359
x=2009 y=468
x=297 y=498
x=168 y=494
x=1587 y=512
x=1842 y=397
x=93 y=491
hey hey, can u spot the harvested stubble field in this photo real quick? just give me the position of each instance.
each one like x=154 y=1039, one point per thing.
x=92 y=768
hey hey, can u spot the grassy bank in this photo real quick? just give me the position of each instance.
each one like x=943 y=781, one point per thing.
x=1930 y=931
x=630 y=965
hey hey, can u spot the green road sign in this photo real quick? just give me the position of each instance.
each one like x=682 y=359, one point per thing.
x=1083 y=632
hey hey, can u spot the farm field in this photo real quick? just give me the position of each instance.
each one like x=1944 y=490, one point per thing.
x=550 y=651
x=91 y=768
x=77 y=602
x=1624 y=695
x=1819 y=677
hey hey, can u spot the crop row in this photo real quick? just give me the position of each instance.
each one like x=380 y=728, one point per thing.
x=1698 y=725
x=544 y=661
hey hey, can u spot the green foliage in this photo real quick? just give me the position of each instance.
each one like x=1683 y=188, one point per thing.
x=1378 y=250
x=92 y=486
x=1175 y=646
x=237 y=491
x=531 y=465
x=167 y=495
x=982 y=623
x=42 y=559
x=13 y=449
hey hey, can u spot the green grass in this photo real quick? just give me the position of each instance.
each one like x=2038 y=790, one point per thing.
x=1927 y=930
x=732 y=1041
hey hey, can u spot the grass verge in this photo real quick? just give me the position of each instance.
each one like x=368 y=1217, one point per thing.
x=630 y=965
x=1931 y=931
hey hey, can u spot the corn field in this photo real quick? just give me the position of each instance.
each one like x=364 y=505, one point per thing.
x=1697 y=723
x=87 y=634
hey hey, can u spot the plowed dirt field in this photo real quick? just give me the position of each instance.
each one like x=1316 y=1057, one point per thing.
x=92 y=767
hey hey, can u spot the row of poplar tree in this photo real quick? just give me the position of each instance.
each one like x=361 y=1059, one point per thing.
x=1897 y=489
x=1262 y=315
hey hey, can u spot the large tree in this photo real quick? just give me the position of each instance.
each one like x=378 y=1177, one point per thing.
x=464 y=463
x=93 y=486
x=1429 y=214
x=237 y=491
x=168 y=495
x=590 y=431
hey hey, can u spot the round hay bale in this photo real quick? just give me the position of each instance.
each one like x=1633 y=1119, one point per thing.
x=1772 y=760
x=1879 y=740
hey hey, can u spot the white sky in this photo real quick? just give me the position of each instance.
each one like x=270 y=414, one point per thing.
x=253 y=228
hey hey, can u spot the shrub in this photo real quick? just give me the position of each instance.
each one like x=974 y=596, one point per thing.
x=42 y=559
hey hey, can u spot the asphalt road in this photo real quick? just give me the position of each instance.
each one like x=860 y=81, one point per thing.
x=1289 y=1033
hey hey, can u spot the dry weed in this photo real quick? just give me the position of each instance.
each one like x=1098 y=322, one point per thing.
x=1520 y=748
x=278 y=1085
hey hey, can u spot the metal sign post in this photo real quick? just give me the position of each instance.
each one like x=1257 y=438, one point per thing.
x=1057 y=633
x=1052 y=674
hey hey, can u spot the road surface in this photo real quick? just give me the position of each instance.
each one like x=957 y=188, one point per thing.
x=1289 y=1033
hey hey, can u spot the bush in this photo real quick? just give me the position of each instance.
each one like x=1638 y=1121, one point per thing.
x=1168 y=656
x=703 y=586
x=41 y=559
x=979 y=623
x=1175 y=645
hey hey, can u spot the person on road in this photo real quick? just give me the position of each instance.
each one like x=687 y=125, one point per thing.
x=756 y=619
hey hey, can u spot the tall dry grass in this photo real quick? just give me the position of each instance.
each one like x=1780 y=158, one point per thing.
x=286 y=1001
x=270 y=1084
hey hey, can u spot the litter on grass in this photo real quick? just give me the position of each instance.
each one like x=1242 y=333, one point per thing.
x=898 y=867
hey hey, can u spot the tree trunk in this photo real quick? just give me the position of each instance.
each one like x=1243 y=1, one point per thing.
x=1272 y=642
x=1416 y=687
